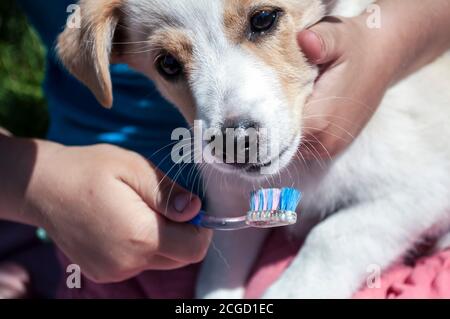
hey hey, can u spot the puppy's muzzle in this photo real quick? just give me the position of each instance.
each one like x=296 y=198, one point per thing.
x=240 y=143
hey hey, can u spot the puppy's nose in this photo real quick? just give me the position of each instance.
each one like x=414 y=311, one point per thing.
x=239 y=124
x=242 y=150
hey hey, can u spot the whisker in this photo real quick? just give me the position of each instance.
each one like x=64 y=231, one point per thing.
x=173 y=186
x=313 y=152
x=360 y=103
x=168 y=145
x=166 y=174
x=321 y=144
x=329 y=116
x=331 y=134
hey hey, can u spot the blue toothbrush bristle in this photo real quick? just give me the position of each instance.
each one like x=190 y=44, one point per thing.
x=286 y=199
x=269 y=199
x=289 y=199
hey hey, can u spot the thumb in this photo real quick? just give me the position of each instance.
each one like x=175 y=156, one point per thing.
x=172 y=200
x=163 y=195
x=322 y=43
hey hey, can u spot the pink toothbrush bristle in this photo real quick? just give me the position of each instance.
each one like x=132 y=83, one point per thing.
x=276 y=199
x=266 y=199
x=256 y=199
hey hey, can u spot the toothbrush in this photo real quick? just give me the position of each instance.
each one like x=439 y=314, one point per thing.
x=268 y=208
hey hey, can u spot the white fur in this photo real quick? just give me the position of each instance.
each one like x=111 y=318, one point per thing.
x=394 y=185
x=227 y=81
x=391 y=187
x=367 y=206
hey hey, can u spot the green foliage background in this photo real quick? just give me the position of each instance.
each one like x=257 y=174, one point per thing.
x=23 y=108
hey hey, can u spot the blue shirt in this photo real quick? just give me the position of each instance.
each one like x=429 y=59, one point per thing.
x=140 y=120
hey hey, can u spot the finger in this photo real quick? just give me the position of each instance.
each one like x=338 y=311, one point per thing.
x=10 y=283
x=182 y=242
x=162 y=194
x=7 y=292
x=322 y=146
x=163 y=263
x=322 y=43
x=152 y=233
x=311 y=45
x=331 y=113
x=13 y=281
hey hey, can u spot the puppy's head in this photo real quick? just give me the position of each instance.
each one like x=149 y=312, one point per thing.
x=228 y=63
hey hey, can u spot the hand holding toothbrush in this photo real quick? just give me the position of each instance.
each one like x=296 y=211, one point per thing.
x=109 y=210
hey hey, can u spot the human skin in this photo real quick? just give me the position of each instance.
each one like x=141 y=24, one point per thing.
x=104 y=206
x=359 y=64
x=14 y=281
x=108 y=209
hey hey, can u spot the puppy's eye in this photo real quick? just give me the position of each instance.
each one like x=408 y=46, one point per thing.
x=168 y=66
x=264 y=20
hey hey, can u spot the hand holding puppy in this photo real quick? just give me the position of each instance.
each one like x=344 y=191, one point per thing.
x=108 y=209
x=360 y=61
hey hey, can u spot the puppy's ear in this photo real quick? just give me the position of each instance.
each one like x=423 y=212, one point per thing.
x=85 y=50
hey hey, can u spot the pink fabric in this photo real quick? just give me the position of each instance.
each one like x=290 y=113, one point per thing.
x=430 y=278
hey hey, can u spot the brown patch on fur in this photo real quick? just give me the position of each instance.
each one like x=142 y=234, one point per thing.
x=235 y=18
x=175 y=42
x=278 y=50
x=86 y=51
x=181 y=96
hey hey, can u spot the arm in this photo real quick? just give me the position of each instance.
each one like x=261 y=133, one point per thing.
x=16 y=165
x=102 y=205
x=360 y=64
x=423 y=32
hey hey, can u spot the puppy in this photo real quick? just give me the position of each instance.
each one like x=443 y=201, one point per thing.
x=229 y=62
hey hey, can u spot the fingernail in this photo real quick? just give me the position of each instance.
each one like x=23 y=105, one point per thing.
x=181 y=201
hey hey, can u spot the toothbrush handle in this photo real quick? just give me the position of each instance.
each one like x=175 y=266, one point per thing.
x=217 y=223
